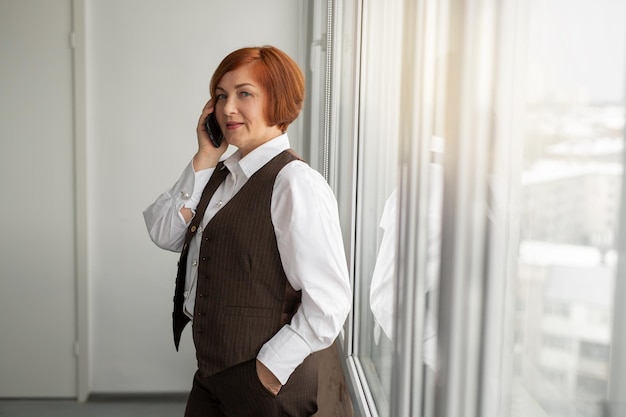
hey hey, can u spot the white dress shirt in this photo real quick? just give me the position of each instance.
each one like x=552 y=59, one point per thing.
x=306 y=222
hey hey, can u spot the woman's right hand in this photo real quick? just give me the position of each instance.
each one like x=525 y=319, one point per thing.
x=208 y=155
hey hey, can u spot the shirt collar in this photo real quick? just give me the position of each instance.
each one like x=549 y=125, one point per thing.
x=258 y=157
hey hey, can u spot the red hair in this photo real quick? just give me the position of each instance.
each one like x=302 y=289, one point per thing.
x=278 y=75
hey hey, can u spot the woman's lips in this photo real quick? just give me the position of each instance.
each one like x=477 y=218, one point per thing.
x=233 y=125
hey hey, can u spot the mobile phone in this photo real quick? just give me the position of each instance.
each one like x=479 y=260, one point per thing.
x=213 y=129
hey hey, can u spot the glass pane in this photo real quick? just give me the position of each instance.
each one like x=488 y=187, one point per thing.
x=570 y=209
x=376 y=194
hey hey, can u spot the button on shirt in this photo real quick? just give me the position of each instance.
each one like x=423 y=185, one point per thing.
x=306 y=222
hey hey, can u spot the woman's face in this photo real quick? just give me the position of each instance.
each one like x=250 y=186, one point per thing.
x=240 y=110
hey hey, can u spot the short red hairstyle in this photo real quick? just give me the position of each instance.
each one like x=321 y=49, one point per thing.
x=277 y=74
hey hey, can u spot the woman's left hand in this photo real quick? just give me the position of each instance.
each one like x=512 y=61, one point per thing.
x=267 y=378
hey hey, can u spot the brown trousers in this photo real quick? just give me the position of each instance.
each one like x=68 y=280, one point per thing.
x=237 y=392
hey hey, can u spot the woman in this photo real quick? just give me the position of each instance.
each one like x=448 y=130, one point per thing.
x=262 y=274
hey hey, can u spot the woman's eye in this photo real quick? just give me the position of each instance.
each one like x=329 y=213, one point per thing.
x=244 y=94
x=220 y=97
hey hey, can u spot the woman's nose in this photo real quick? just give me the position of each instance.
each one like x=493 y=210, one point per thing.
x=229 y=106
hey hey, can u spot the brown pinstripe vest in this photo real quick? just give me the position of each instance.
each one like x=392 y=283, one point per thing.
x=243 y=297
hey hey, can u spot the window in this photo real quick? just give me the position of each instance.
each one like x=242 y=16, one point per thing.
x=476 y=150
x=366 y=85
x=557 y=310
x=572 y=167
x=594 y=351
x=557 y=342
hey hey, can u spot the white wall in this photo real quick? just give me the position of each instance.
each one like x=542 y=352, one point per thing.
x=37 y=300
x=149 y=63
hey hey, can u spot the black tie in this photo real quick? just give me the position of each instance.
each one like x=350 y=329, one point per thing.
x=180 y=319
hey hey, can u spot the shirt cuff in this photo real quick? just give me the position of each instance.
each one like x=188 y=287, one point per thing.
x=283 y=353
x=201 y=178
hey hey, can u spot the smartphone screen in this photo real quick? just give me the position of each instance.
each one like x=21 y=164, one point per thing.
x=214 y=131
